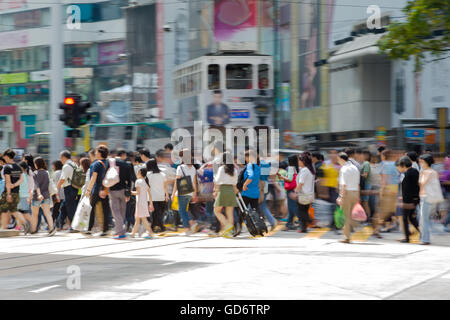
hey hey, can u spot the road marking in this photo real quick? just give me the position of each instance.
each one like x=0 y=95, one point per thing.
x=447 y=276
x=45 y=289
x=363 y=234
x=168 y=263
x=276 y=230
x=317 y=233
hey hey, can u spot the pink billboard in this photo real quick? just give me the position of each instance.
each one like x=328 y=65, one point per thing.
x=235 y=20
x=108 y=52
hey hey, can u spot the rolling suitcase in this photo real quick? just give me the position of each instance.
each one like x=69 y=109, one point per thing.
x=254 y=222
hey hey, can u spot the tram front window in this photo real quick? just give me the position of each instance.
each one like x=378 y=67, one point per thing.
x=239 y=76
x=213 y=77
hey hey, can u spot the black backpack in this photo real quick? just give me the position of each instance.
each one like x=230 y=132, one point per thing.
x=241 y=180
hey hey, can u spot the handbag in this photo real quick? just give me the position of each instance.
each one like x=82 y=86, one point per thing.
x=184 y=184
x=305 y=198
x=434 y=191
x=51 y=186
x=358 y=213
x=82 y=214
x=291 y=185
x=112 y=175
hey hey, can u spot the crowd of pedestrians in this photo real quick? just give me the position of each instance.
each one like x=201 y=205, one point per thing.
x=140 y=193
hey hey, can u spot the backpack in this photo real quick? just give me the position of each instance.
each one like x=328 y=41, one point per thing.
x=241 y=180
x=78 y=177
x=112 y=175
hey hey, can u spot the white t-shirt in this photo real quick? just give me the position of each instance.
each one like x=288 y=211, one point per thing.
x=67 y=173
x=224 y=178
x=306 y=178
x=170 y=174
x=349 y=176
x=157 y=181
x=184 y=170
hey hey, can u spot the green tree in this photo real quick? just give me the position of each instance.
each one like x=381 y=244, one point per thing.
x=425 y=30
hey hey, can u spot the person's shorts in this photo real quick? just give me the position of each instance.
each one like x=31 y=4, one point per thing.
x=365 y=197
x=23 y=206
x=37 y=203
x=6 y=206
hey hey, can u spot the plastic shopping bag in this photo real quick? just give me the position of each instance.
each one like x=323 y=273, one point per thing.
x=358 y=213
x=339 y=217
x=175 y=205
x=81 y=218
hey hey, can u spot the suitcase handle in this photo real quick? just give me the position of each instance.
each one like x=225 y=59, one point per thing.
x=241 y=202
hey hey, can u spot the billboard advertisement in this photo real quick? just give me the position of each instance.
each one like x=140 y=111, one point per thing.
x=235 y=20
x=238 y=108
x=108 y=52
x=309 y=53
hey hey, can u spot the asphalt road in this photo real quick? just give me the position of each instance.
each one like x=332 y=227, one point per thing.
x=283 y=265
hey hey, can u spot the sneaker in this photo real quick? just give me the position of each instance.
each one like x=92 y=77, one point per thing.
x=149 y=237
x=52 y=233
x=344 y=241
x=194 y=228
x=228 y=232
x=284 y=220
x=103 y=234
x=27 y=228
x=120 y=237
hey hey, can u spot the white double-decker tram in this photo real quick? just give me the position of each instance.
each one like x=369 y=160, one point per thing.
x=226 y=89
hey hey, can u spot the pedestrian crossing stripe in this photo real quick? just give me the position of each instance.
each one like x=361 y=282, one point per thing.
x=317 y=233
x=363 y=234
x=274 y=231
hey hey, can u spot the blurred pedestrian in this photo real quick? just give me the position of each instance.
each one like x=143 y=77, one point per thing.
x=160 y=195
x=430 y=195
x=349 y=178
x=96 y=191
x=225 y=191
x=305 y=190
x=41 y=196
x=144 y=203
x=410 y=195
x=290 y=183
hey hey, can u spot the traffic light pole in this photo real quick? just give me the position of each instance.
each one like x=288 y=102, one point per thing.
x=56 y=81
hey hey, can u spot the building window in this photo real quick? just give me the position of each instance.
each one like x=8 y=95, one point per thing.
x=239 y=76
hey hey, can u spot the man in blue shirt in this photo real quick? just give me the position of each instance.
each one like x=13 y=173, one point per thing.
x=252 y=175
x=95 y=190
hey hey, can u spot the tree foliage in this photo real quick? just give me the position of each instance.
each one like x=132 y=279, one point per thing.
x=425 y=30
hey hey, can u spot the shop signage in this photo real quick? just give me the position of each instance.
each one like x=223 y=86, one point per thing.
x=415 y=133
x=11 y=78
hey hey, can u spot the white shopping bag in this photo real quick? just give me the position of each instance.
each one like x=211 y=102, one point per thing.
x=81 y=219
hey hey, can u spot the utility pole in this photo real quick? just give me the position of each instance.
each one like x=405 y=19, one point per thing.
x=57 y=135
